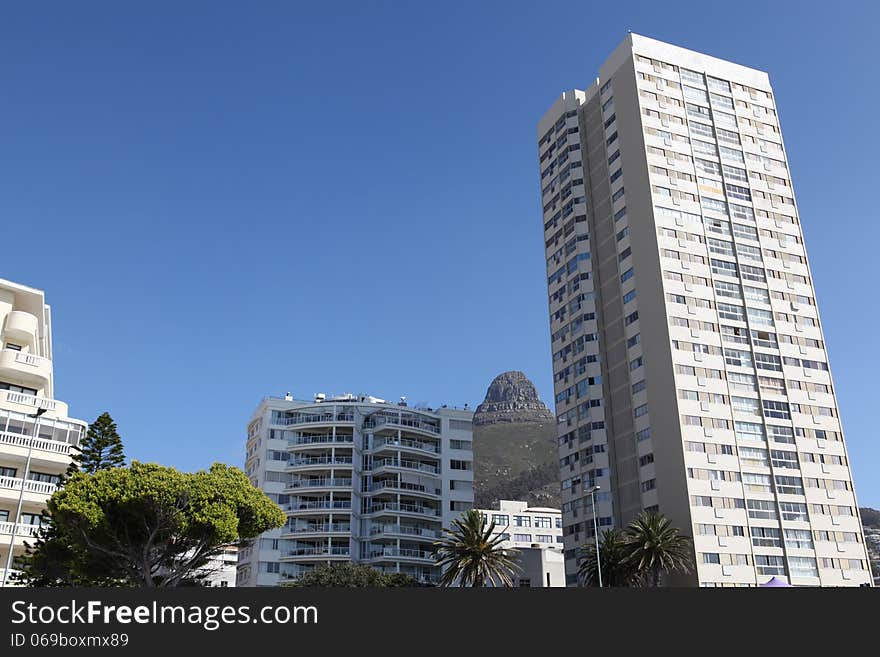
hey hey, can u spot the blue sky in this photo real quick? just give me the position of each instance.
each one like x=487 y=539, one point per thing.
x=230 y=200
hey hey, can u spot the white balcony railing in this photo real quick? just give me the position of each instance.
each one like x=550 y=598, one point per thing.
x=30 y=400
x=14 y=483
x=28 y=531
x=18 y=440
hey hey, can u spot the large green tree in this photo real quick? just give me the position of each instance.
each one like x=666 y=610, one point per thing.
x=149 y=525
x=350 y=575
x=655 y=547
x=616 y=566
x=470 y=555
x=101 y=448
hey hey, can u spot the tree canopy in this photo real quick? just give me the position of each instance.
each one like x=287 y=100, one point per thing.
x=351 y=575
x=151 y=525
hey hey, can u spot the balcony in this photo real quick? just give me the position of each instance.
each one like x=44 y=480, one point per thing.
x=387 y=508
x=35 y=371
x=381 y=422
x=321 y=440
x=405 y=487
x=411 y=532
x=21 y=326
x=322 y=552
x=319 y=462
x=405 y=443
x=379 y=464
x=26 y=531
x=329 y=528
x=323 y=505
x=15 y=483
x=320 y=483
x=401 y=553
x=316 y=418
x=38 y=444
x=28 y=403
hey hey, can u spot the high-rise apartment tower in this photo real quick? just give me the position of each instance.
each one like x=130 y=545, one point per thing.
x=360 y=479
x=690 y=368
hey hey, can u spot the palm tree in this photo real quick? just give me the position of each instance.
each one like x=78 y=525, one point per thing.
x=471 y=556
x=617 y=570
x=655 y=547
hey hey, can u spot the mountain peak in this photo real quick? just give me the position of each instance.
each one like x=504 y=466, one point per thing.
x=511 y=397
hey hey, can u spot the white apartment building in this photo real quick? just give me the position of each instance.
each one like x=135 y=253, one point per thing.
x=361 y=479
x=221 y=569
x=690 y=367
x=36 y=434
x=536 y=532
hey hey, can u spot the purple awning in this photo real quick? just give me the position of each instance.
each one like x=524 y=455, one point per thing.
x=774 y=582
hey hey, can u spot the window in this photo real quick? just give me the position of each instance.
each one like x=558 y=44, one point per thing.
x=522 y=538
x=501 y=519
x=625 y=276
x=460 y=465
x=776 y=409
x=522 y=521
x=544 y=522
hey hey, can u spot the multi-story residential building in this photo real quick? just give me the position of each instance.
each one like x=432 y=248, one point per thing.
x=36 y=434
x=690 y=367
x=361 y=480
x=536 y=533
x=221 y=569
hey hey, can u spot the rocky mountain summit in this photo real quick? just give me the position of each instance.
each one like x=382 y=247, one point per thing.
x=511 y=398
x=515 y=456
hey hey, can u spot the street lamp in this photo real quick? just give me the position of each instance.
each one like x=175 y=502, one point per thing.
x=592 y=493
x=27 y=470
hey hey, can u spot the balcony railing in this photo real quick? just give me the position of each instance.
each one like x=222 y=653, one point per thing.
x=30 y=400
x=402 y=530
x=402 y=463
x=320 y=483
x=319 y=552
x=405 y=508
x=418 y=488
x=29 y=531
x=321 y=460
x=333 y=528
x=15 y=483
x=320 y=440
x=316 y=418
x=415 y=424
x=18 y=440
x=405 y=442
x=401 y=552
x=307 y=506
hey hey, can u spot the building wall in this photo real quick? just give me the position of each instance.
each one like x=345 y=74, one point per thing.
x=716 y=404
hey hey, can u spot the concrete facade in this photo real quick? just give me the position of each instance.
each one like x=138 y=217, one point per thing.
x=690 y=368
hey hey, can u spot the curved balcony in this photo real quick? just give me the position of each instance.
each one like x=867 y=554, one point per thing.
x=322 y=553
x=311 y=441
x=322 y=483
x=396 y=508
x=324 y=506
x=317 y=419
x=398 y=531
x=21 y=326
x=405 y=444
x=382 y=423
x=320 y=529
x=24 y=403
x=402 y=554
x=404 y=464
x=35 y=371
x=405 y=488
x=37 y=444
x=319 y=463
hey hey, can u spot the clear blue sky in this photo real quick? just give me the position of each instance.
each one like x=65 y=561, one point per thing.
x=230 y=200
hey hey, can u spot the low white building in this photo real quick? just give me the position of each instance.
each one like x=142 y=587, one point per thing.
x=221 y=568
x=537 y=533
